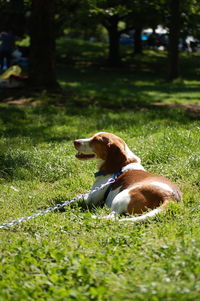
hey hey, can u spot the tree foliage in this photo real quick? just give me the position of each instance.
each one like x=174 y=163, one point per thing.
x=13 y=16
x=83 y=17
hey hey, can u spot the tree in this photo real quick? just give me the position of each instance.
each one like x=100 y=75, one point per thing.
x=109 y=13
x=135 y=14
x=184 y=17
x=174 y=36
x=142 y=14
x=12 y=16
x=42 y=69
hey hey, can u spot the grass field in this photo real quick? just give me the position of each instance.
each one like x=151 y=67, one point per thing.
x=66 y=255
x=140 y=81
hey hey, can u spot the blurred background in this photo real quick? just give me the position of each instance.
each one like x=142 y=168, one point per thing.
x=44 y=43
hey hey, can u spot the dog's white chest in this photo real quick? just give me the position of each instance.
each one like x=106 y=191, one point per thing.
x=97 y=196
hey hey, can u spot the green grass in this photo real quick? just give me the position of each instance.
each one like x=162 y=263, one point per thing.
x=73 y=50
x=67 y=255
x=140 y=80
x=123 y=88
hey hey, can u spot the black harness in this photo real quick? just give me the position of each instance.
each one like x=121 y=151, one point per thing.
x=114 y=177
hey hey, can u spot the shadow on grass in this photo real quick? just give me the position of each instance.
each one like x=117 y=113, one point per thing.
x=50 y=123
x=24 y=128
x=95 y=97
x=139 y=82
x=118 y=88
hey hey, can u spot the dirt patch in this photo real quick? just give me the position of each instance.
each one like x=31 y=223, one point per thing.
x=27 y=96
x=15 y=96
x=20 y=101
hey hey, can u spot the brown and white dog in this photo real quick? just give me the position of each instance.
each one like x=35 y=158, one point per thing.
x=135 y=191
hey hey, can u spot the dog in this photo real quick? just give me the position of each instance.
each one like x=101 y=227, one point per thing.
x=134 y=191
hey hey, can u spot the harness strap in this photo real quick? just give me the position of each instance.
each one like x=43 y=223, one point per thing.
x=99 y=173
x=114 y=177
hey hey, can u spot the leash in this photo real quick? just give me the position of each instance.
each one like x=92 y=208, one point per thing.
x=58 y=206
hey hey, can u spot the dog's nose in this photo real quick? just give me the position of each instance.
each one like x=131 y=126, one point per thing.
x=77 y=143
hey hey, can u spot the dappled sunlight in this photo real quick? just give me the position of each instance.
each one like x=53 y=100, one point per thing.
x=70 y=84
x=88 y=67
x=126 y=87
x=38 y=169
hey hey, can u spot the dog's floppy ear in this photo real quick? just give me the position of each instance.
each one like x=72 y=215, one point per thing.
x=116 y=157
x=106 y=140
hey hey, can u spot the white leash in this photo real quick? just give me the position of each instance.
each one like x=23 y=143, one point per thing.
x=58 y=206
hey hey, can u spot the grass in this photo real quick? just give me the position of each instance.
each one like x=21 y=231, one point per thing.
x=123 y=88
x=66 y=255
x=140 y=80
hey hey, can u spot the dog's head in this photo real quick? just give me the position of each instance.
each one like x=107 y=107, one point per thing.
x=111 y=151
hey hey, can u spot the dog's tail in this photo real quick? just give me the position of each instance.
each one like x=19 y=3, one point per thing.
x=135 y=219
x=150 y=214
x=141 y=218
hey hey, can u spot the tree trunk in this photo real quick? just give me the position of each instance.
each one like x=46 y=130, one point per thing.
x=138 y=40
x=113 y=33
x=174 y=34
x=42 y=69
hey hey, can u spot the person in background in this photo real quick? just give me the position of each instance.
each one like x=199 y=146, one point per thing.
x=7 y=46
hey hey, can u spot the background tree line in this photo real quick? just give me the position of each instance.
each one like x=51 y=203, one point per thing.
x=46 y=20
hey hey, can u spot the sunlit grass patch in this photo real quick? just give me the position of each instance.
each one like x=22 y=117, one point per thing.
x=67 y=255
x=130 y=86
